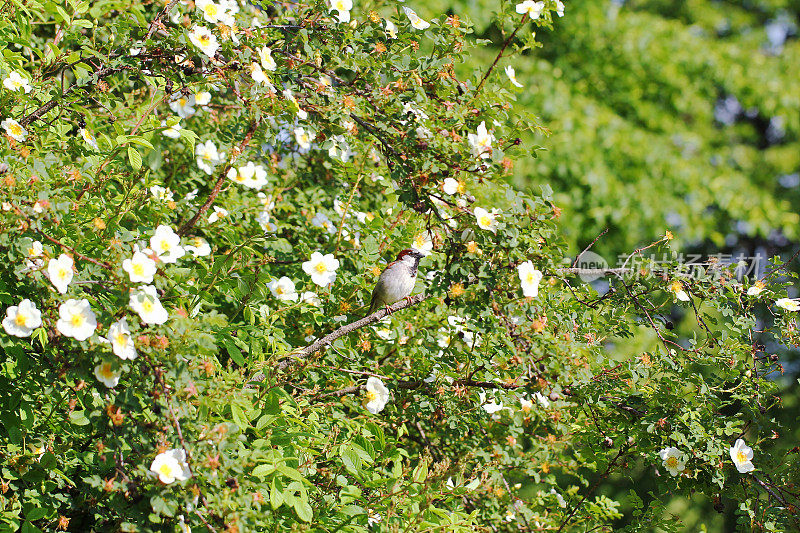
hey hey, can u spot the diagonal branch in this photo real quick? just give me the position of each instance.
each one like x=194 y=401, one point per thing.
x=306 y=351
x=235 y=151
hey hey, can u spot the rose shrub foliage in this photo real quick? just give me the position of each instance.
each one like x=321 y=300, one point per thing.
x=193 y=192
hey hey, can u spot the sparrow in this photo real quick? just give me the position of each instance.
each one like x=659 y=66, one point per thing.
x=397 y=280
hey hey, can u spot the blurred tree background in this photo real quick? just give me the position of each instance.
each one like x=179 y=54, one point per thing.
x=667 y=115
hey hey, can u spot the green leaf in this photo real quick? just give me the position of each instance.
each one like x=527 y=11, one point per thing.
x=141 y=141
x=291 y=473
x=262 y=471
x=135 y=158
x=239 y=416
x=275 y=493
x=420 y=472
x=78 y=418
x=303 y=509
x=235 y=353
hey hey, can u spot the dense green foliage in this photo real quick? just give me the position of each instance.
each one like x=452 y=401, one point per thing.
x=506 y=407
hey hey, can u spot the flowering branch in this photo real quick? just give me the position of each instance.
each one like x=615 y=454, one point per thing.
x=500 y=53
x=220 y=179
x=59 y=243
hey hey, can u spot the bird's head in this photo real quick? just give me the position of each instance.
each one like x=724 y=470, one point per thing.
x=410 y=254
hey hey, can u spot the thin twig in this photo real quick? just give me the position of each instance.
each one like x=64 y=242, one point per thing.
x=605 y=474
x=70 y=249
x=587 y=248
x=220 y=180
x=500 y=53
x=153 y=25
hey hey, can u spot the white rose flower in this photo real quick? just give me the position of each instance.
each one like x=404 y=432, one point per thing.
x=22 y=319
x=202 y=98
x=265 y=55
x=207 y=156
x=77 y=320
x=146 y=303
x=529 y=278
x=173 y=132
x=16 y=82
x=251 y=175
x=561 y=502
x=676 y=287
x=264 y=220
x=219 y=213
x=526 y=405
x=321 y=268
x=452 y=186
x=212 y=12
x=533 y=9
x=14 y=129
x=485 y=219
x=160 y=193
x=183 y=105
x=140 y=268
x=343 y=7
x=422 y=243
x=198 y=247
x=167 y=244
x=88 y=138
x=391 y=29
x=756 y=288
x=283 y=289
x=203 y=39
x=107 y=374
x=674 y=460
x=481 y=142
x=559 y=8
x=321 y=220
x=416 y=21
x=742 y=457
x=512 y=75
x=790 y=304
x=259 y=76
x=311 y=298
x=60 y=272
x=171 y=466
x=377 y=395
x=542 y=399
x=121 y=341
x=303 y=138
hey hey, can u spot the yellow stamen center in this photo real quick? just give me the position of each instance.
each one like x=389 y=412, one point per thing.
x=147 y=305
x=165 y=469
x=21 y=320
x=77 y=320
x=672 y=462
x=741 y=457
x=321 y=268
x=371 y=395
x=138 y=269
